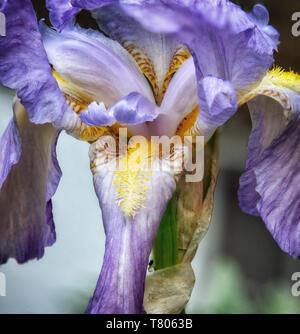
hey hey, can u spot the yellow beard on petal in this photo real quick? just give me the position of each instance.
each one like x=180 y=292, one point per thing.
x=134 y=172
x=270 y=86
x=279 y=77
x=131 y=178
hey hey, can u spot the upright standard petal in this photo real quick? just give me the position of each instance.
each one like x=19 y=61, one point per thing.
x=29 y=175
x=24 y=65
x=268 y=187
x=233 y=46
x=235 y=42
x=180 y=99
x=231 y=41
x=215 y=97
x=133 y=201
x=157 y=55
x=108 y=72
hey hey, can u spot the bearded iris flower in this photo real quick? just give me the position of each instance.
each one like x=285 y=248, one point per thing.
x=154 y=68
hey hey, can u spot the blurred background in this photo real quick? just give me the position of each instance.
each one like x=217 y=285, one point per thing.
x=239 y=268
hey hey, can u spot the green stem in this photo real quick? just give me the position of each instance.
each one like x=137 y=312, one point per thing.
x=165 y=249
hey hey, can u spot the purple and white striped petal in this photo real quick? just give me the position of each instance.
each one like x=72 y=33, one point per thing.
x=153 y=52
x=24 y=65
x=268 y=122
x=268 y=186
x=235 y=42
x=277 y=178
x=216 y=96
x=129 y=238
x=29 y=176
x=180 y=99
x=107 y=74
x=219 y=21
x=231 y=41
x=233 y=46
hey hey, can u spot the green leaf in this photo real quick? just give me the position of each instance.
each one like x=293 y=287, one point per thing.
x=165 y=249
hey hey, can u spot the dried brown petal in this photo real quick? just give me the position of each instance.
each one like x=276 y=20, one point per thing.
x=168 y=290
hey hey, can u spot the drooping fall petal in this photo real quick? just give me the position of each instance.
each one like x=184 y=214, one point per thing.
x=133 y=201
x=268 y=187
x=29 y=176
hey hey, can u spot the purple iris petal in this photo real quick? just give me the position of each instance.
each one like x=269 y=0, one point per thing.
x=120 y=288
x=158 y=49
x=133 y=109
x=129 y=240
x=268 y=123
x=108 y=72
x=231 y=41
x=234 y=40
x=268 y=187
x=279 y=204
x=91 y=4
x=10 y=145
x=24 y=65
x=61 y=12
x=217 y=98
x=180 y=99
x=233 y=45
x=2 y=4
x=97 y=114
x=29 y=176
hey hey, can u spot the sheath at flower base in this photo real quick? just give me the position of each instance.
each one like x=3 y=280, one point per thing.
x=102 y=79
